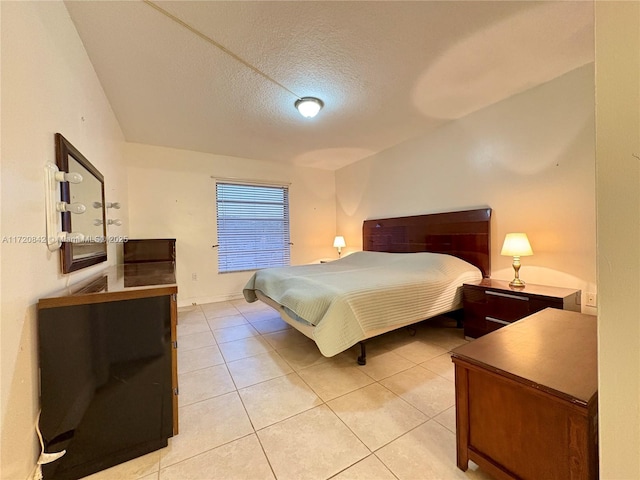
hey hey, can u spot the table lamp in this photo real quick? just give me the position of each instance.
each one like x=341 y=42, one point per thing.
x=338 y=243
x=516 y=245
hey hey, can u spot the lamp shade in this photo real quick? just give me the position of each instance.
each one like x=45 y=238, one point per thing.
x=339 y=242
x=516 y=245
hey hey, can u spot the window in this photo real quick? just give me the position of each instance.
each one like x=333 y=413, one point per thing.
x=253 y=226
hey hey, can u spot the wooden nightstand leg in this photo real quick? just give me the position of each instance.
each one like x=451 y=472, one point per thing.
x=462 y=417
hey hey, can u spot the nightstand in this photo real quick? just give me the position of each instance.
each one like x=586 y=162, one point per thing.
x=492 y=304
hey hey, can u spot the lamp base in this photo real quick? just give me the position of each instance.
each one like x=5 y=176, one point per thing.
x=516 y=282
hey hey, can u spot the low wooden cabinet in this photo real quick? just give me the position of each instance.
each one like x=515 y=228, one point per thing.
x=526 y=399
x=491 y=304
x=108 y=372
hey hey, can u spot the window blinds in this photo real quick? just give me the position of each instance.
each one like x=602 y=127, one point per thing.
x=253 y=226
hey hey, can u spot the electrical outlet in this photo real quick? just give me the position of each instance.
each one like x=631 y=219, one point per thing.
x=194 y=276
x=591 y=299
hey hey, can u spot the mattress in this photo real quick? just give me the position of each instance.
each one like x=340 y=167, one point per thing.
x=364 y=294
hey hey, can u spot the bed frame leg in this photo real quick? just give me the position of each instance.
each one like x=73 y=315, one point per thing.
x=362 y=359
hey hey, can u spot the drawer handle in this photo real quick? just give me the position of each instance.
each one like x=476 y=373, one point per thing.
x=506 y=295
x=495 y=320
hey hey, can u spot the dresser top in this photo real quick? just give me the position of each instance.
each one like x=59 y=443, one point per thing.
x=555 y=350
x=120 y=282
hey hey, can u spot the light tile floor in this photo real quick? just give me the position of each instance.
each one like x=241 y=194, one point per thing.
x=258 y=401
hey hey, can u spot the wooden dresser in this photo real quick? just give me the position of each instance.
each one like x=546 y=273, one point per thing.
x=526 y=399
x=108 y=372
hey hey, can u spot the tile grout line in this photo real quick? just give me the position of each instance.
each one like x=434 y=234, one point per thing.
x=322 y=401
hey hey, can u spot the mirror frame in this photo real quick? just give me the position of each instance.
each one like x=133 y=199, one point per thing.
x=71 y=263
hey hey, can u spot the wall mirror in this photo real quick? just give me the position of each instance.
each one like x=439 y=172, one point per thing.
x=92 y=248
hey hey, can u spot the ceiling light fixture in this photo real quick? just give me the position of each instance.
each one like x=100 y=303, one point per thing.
x=309 y=106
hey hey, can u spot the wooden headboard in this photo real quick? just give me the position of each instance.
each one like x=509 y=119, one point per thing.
x=465 y=234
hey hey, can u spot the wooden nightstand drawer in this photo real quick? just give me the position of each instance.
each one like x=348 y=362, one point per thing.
x=492 y=304
x=475 y=326
x=507 y=306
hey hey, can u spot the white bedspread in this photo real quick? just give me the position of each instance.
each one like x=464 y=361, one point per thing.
x=365 y=293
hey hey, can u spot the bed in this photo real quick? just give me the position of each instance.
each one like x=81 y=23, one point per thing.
x=411 y=269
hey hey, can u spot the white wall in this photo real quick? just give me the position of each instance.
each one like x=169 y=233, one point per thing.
x=530 y=158
x=172 y=195
x=618 y=195
x=48 y=86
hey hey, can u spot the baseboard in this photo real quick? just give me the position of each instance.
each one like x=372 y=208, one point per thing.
x=188 y=302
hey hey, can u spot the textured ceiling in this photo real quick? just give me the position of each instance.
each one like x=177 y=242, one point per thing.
x=386 y=71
